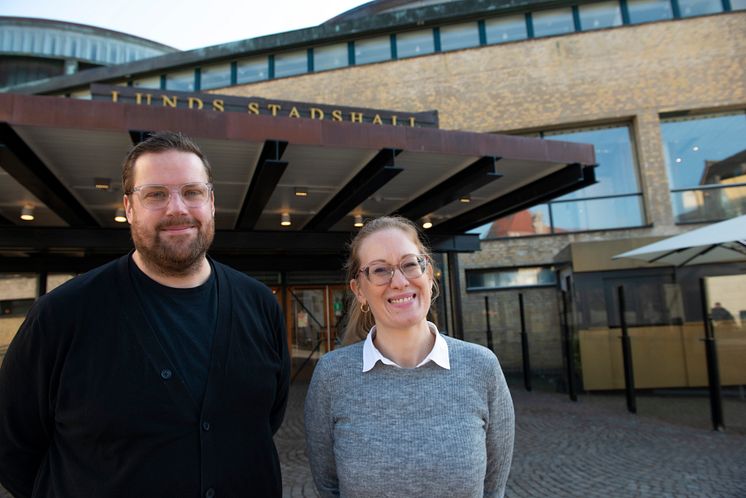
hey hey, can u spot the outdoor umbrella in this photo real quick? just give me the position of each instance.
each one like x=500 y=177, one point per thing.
x=722 y=242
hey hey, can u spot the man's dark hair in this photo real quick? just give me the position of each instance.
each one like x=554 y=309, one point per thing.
x=162 y=141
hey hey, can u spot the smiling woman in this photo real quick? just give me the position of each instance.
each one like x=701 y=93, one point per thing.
x=407 y=411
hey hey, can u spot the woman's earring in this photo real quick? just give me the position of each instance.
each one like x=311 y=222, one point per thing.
x=364 y=308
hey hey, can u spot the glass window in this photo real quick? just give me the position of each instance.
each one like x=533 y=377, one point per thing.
x=330 y=57
x=149 y=82
x=617 y=171
x=597 y=214
x=689 y=8
x=706 y=161
x=510 y=277
x=600 y=15
x=373 y=50
x=505 y=29
x=649 y=10
x=415 y=43
x=532 y=221
x=459 y=36
x=254 y=69
x=215 y=76
x=291 y=63
x=182 y=81
x=553 y=22
x=738 y=4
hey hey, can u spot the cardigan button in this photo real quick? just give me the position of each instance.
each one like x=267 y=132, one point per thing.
x=206 y=425
x=166 y=374
x=210 y=493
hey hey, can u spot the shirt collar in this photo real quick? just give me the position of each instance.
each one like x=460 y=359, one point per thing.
x=438 y=355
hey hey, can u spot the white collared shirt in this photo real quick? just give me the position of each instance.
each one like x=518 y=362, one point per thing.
x=438 y=355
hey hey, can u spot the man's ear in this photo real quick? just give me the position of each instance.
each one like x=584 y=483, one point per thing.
x=127 y=208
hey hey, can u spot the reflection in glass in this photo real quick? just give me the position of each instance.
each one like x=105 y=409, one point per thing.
x=373 y=50
x=182 y=81
x=533 y=221
x=597 y=214
x=254 y=69
x=330 y=57
x=458 y=36
x=510 y=277
x=649 y=10
x=553 y=22
x=697 y=206
x=689 y=8
x=215 y=76
x=617 y=171
x=149 y=82
x=738 y=4
x=291 y=63
x=600 y=15
x=415 y=43
x=505 y=29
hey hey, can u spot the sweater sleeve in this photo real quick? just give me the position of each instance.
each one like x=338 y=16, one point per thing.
x=283 y=380
x=500 y=434
x=319 y=433
x=26 y=413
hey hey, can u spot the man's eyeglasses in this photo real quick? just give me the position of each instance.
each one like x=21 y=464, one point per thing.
x=411 y=266
x=193 y=195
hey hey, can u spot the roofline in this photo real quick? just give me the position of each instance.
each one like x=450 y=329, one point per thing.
x=327 y=32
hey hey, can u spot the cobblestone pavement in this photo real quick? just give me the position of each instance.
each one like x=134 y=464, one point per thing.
x=591 y=448
x=583 y=449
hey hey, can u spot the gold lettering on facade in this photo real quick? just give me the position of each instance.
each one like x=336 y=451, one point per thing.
x=168 y=101
x=218 y=105
x=294 y=113
x=114 y=96
x=139 y=96
x=316 y=113
x=356 y=117
x=195 y=101
x=377 y=120
x=337 y=115
x=274 y=108
x=411 y=121
x=393 y=119
x=253 y=108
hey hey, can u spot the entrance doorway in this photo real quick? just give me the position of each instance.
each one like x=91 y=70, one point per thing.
x=315 y=316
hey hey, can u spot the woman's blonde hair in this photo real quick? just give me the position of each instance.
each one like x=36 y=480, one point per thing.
x=359 y=323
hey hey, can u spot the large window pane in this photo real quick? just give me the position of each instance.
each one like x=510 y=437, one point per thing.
x=738 y=4
x=597 y=214
x=149 y=82
x=254 y=69
x=373 y=50
x=710 y=204
x=291 y=63
x=553 y=22
x=182 y=81
x=705 y=150
x=510 y=277
x=600 y=15
x=689 y=8
x=459 y=36
x=617 y=171
x=533 y=221
x=415 y=43
x=649 y=10
x=215 y=76
x=330 y=57
x=505 y=29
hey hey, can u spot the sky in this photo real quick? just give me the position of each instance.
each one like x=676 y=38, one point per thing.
x=186 y=24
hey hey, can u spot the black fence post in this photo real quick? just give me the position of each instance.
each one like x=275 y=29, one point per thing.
x=569 y=363
x=713 y=370
x=489 y=329
x=524 y=345
x=629 y=372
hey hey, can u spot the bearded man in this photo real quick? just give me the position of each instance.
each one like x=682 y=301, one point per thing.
x=163 y=373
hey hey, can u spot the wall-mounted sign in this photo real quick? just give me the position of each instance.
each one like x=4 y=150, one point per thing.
x=209 y=102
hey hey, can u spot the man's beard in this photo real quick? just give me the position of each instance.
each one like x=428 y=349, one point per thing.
x=175 y=257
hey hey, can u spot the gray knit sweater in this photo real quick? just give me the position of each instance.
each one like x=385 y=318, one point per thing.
x=423 y=432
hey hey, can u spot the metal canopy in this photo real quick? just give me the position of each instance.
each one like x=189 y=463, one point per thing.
x=55 y=148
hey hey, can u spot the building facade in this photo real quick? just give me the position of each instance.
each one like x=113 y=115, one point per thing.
x=657 y=86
